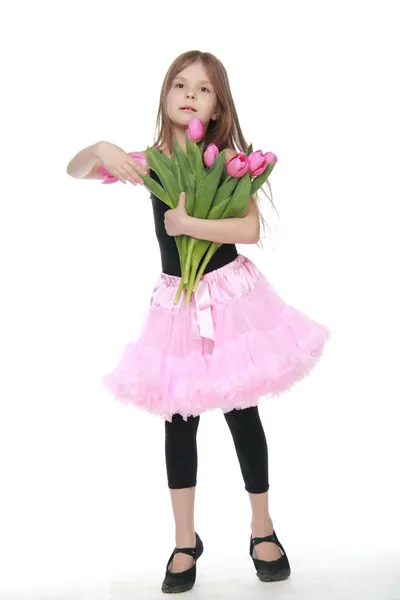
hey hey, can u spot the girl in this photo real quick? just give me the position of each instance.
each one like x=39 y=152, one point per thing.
x=237 y=340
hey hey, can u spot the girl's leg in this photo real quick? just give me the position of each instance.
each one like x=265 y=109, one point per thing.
x=252 y=451
x=181 y=462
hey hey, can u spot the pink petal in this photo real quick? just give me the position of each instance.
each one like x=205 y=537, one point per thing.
x=195 y=130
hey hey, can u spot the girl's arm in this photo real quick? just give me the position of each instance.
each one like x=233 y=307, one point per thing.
x=244 y=230
x=236 y=230
x=85 y=164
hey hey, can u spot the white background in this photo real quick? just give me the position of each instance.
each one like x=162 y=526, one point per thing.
x=84 y=505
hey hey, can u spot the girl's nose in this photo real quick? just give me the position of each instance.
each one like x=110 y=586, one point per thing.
x=190 y=94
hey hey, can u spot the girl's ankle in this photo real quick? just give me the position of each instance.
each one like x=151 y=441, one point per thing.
x=185 y=539
x=262 y=529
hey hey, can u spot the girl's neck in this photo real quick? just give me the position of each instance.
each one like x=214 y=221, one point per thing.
x=179 y=133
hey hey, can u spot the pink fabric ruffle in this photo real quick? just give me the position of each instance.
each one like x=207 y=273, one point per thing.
x=261 y=347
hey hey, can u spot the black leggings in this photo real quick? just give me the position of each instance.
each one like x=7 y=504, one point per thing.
x=250 y=444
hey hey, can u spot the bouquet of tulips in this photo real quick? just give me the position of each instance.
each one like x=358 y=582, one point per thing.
x=212 y=192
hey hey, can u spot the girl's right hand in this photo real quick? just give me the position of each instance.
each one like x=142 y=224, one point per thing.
x=120 y=164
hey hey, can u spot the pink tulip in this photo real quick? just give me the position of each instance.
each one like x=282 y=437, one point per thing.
x=195 y=130
x=238 y=165
x=258 y=162
x=141 y=159
x=271 y=157
x=210 y=155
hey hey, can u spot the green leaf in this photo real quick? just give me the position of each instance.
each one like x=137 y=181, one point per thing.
x=225 y=190
x=166 y=159
x=166 y=176
x=175 y=168
x=198 y=164
x=156 y=189
x=261 y=179
x=183 y=164
x=239 y=204
x=207 y=188
x=189 y=153
x=224 y=177
x=218 y=210
x=190 y=195
x=249 y=149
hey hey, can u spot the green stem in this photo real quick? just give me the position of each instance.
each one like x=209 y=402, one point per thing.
x=180 y=242
x=179 y=291
x=184 y=249
x=188 y=259
x=207 y=258
x=190 y=285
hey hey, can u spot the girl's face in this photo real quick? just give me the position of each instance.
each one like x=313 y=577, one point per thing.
x=191 y=88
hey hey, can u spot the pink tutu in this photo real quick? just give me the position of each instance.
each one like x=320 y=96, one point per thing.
x=237 y=340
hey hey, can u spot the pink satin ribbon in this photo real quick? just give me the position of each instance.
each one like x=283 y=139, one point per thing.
x=203 y=304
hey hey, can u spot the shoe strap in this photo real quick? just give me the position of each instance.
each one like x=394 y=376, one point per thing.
x=267 y=538
x=189 y=551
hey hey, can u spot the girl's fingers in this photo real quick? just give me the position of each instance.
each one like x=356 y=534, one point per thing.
x=120 y=176
x=131 y=173
x=132 y=177
x=126 y=174
x=137 y=167
x=134 y=172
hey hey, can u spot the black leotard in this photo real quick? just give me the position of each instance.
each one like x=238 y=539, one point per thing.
x=168 y=250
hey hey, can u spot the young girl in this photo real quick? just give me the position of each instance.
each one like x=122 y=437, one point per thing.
x=237 y=340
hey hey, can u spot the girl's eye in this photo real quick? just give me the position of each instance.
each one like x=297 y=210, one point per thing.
x=202 y=88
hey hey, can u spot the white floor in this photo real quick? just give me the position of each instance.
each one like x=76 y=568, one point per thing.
x=362 y=579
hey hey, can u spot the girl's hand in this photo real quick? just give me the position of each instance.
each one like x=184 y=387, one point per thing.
x=120 y=164
x=176 y=219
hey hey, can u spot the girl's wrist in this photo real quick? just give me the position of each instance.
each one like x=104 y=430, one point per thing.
x=98 y=147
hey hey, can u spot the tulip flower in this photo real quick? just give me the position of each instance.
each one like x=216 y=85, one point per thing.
x=257 y=163
x=195 y=130
x=271 y=157
x=238 y=165
x=139 y=158
x=210 y=155
x=212 y=193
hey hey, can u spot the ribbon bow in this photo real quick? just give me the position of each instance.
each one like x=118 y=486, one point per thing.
x=203 y=304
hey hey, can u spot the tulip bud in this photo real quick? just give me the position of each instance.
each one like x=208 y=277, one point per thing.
x=141 y=159
x=210 y=155
x=238 y=165
x=271 y=157
x=195 y=130
x=257 y=163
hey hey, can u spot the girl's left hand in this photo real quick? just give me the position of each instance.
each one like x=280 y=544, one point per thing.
x=176 y=219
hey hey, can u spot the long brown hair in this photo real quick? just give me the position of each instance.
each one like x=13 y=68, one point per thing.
x=225 y=132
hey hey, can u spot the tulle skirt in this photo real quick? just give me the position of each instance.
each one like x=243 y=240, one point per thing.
x=236 y=341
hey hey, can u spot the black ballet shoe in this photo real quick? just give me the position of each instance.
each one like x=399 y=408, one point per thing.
x=174 y=583
x=270 y=570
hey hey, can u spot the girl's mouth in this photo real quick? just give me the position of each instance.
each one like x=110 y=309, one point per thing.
x=188 y=108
